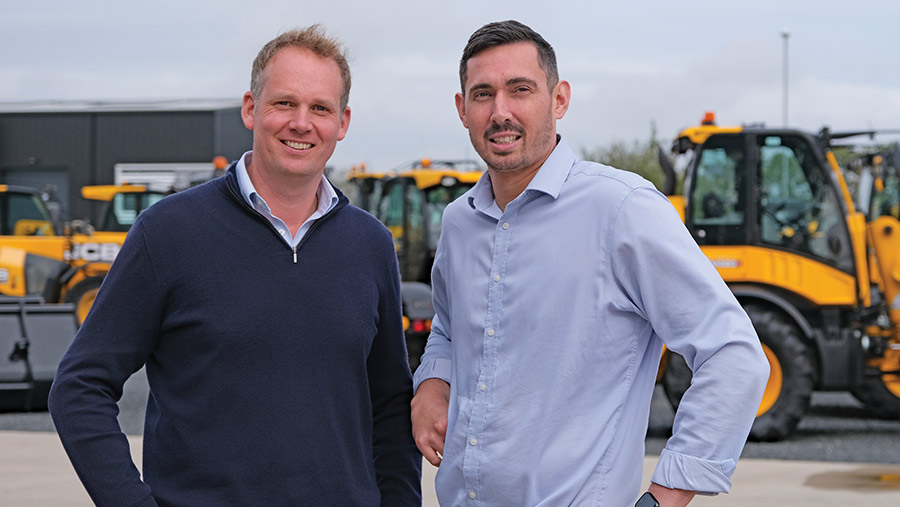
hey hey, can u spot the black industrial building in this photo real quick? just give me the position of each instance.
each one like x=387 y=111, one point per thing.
x=66 y=145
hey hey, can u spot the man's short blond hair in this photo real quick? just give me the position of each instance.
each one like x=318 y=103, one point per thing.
x=312 y=38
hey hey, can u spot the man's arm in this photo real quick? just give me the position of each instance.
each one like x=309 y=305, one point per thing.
x=114 y=342
x=432 y=379
x=429 y=418
x=675 y=287
x=671 y=497
x=398 y=464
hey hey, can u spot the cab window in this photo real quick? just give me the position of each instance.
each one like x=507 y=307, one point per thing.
x=125 y=208
x=24 y=214
x=799 y=208
x=717 y=212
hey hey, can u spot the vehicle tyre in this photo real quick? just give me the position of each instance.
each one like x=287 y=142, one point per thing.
x=82 y=295
x=880 y=392
x=791 y=377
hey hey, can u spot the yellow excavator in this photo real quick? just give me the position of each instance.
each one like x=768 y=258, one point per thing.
x=771 y=209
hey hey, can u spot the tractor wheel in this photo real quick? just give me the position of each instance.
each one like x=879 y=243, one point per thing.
x=788 y=391
x=82 y=295
x=881 y=393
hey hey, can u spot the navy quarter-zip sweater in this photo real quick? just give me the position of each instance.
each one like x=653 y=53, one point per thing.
x=272 y=382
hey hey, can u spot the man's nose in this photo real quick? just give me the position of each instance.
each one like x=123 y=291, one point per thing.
x=501 y=111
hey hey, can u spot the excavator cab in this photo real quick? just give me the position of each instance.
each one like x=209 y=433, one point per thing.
x=122 y=204
x=770 y=189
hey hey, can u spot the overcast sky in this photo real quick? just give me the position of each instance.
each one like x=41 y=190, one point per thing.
x=630 y=64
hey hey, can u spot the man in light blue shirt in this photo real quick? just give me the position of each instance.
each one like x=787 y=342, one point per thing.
x=556 y=283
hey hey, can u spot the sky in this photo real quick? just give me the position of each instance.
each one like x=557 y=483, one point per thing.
x=632 y=65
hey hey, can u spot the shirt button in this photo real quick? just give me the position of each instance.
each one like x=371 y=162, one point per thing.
x=474 y=441
x=490 y=332
x=280 y=231
x=482 y=387
x=496 y=278
x=506 y=225
x=472 y=495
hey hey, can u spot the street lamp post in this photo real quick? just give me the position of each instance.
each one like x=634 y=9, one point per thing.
x=785 y=35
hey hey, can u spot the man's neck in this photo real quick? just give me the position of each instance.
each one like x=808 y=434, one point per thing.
x=293 y=200
x=508 y=185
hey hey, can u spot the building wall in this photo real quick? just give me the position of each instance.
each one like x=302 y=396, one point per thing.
x=71 y=149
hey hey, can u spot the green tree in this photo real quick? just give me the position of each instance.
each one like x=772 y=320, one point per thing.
x=635 y=156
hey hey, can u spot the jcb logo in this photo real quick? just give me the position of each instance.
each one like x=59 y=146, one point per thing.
x=93 y=252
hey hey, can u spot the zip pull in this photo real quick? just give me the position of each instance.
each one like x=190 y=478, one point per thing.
x=295 y=254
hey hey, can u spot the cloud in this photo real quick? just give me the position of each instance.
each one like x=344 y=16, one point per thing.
x=630 y=64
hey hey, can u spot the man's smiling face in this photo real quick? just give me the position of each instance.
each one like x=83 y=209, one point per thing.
x=296 y=119
x=508 y=108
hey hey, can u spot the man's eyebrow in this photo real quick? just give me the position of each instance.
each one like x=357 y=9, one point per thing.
x=511 y=82
x=480 y=86
x=521 y=80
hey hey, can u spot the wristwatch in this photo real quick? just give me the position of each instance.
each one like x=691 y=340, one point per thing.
x=647 y=500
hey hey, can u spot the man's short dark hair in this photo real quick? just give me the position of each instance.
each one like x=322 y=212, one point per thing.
x=499 y=33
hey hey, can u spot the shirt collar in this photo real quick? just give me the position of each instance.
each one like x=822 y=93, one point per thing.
x=549 y=178
x=326 y=194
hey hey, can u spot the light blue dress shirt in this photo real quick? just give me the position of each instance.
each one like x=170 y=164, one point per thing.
x=550 y=320
x=328 y=199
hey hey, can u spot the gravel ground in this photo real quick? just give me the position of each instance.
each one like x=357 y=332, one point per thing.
x=836 y=429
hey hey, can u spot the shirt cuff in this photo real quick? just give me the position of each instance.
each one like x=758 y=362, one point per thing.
x=680 y=471
x=433 y=368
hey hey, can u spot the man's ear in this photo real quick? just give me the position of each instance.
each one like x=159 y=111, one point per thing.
x=247 y=107
x=345 y=124
x=461 y=109
x=562 y=93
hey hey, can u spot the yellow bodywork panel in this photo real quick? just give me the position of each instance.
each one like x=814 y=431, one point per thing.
x=397 y=235
x=884 y=235
x=699 y=135
x=426 y=178
x=842 y=183
x=856 y=222
x=12 y=271
x=54 y=247
x=679 y=203
x=813 y=280
x=99 y=247
x=107 y=192
x=31 y=227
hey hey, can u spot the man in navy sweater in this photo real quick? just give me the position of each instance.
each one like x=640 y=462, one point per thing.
x=266 y=310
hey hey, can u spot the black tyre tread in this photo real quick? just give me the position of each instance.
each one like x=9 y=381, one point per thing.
x=784 y=339
x=877 y=398
x=80 y=288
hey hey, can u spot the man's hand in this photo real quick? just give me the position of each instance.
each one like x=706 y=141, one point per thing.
x=671 y=497
x=429 y=418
